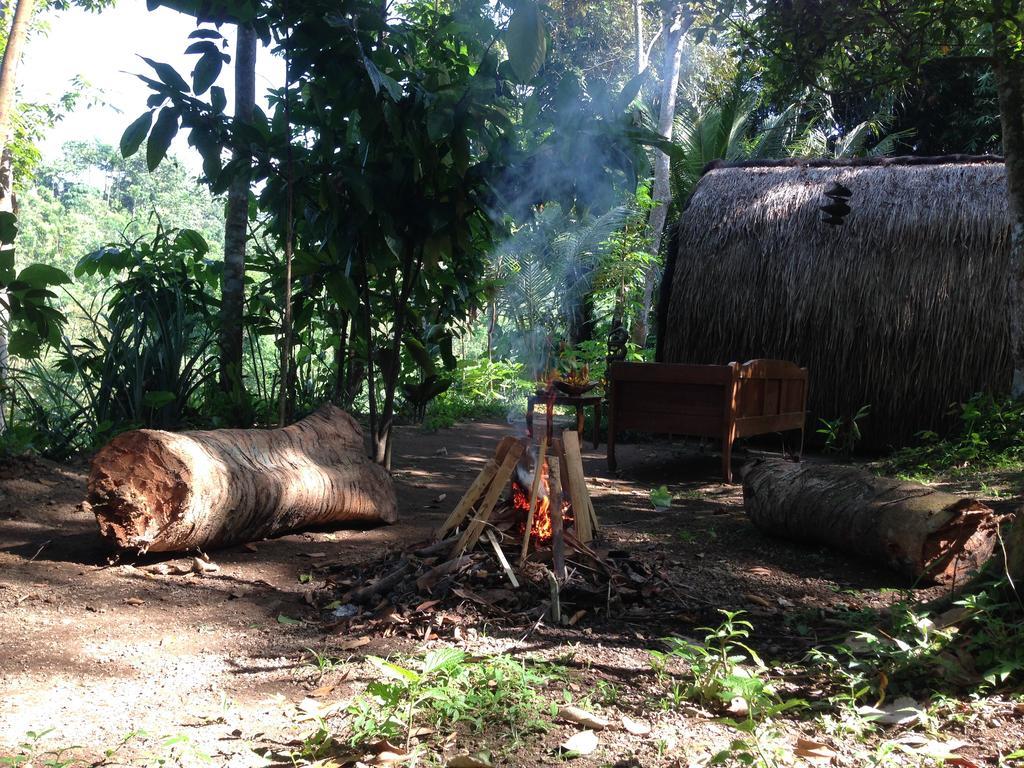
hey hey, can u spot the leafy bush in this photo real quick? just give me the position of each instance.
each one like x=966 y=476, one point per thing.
x=140 y=361
x=988 y=435
x=481 y=389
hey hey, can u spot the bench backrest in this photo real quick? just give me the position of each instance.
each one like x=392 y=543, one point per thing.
x=757 y=397
x=671 y=398
x=771 y=396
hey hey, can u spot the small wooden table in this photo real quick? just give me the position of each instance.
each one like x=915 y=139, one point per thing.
x=579 y=402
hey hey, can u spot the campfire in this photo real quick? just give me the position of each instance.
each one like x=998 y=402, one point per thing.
x=517 y=542
x=546 y=502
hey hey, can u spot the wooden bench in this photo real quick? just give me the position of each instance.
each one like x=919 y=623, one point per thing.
x=720 y=401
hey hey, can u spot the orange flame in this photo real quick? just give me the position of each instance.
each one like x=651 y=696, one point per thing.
x=541 y=530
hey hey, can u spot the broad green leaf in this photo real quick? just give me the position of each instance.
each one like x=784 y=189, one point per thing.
x=158 y=399
x=42 y=275
x=161 y=136
x=24 y=343
x=630 y=91
x=343 y=290
x=189 y=238
x=8 y=227
x=526 y=41
x=218 y=99
x=380 y=80
x=394 y=670
x=168 y=75
x=204 y=46
x=282 y=619
x=206 y=72
x=134 y=134
x=205 y=34
x=419 y=354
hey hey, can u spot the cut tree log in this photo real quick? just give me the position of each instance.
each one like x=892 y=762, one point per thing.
x=918 y=531
x=154 y=491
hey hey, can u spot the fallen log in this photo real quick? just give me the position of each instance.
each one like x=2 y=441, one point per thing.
x=916 y=530
x=154 y=491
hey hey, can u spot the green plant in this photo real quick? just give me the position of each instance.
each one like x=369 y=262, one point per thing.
x=31 y=753
x=724 y=666
x=446 y=689
x=986 y=436
x=843 y=434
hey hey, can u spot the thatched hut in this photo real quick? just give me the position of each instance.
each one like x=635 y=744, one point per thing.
x=902 y=306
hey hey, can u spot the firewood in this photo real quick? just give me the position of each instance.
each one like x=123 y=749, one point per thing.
x=538 y=475
x=428 y=580
x=436 y=548
x=555 y=510
x=155 y=491
x=500 y=553
x=476 y=490
x=383 y=584
x=475 y=528
x=917 y=530
x=577 y=485
x=555 y=609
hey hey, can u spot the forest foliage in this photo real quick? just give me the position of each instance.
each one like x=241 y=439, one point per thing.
x=449 y=199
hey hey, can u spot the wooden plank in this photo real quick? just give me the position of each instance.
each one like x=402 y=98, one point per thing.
x=469 y=498
x=761 y=425
x=538 y=475
x=500 y=553
x=577 y=483
x=671 y=373
x=475 y=528
x=555 y=510
x=763 y=368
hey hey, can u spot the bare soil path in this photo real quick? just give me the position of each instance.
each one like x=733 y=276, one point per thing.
x=218 y=662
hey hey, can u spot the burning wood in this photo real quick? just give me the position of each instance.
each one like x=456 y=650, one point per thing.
x=491 y=557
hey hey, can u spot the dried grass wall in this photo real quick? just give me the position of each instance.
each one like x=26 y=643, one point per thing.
x=902 y=307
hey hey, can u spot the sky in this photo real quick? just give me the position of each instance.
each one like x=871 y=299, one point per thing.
x=104 y=49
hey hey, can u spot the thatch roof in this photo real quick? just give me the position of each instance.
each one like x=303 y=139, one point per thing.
x=902 y=307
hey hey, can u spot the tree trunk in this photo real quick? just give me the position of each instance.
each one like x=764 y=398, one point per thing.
x=638 y=36
x=914 y=529
x=12 y=57
x=6 y=261
x=154 y=491
x=236 y=226
x=391 y=374
x=674 y=29
x=1009 y=71
x=8 y=80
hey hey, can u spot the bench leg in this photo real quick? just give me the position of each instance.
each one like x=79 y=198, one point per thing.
x=579 y=422
x=611 y=445
x=727 y=460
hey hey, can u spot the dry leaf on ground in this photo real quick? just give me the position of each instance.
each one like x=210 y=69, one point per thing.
x=582 y=743
x=479 y=760
x=902 y=711
x=814 y=751
x=582 y=717
x=635 y=727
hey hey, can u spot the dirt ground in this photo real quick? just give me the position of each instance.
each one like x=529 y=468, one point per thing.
x=218 y=664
